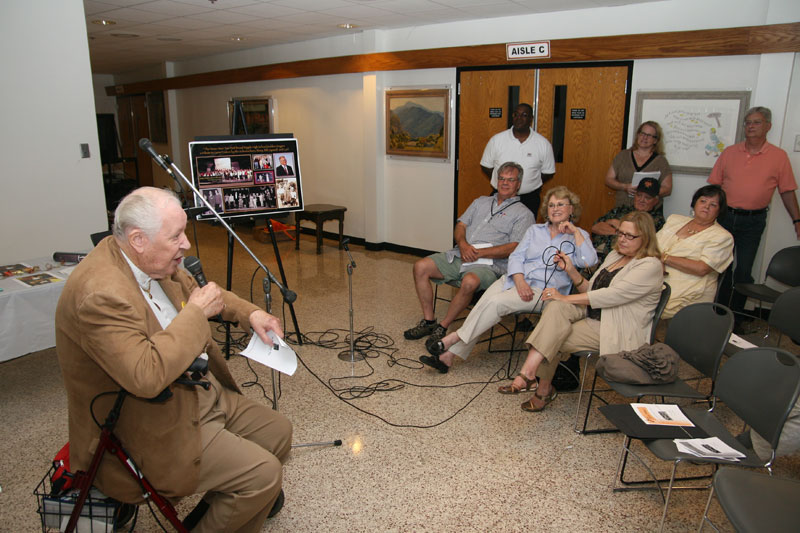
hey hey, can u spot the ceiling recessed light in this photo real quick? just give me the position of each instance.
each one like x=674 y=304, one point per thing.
x=346 y=26
x=104 y=22
x=125 y=35
x=237 y=38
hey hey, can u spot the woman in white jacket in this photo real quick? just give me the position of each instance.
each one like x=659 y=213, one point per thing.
x=611 y=312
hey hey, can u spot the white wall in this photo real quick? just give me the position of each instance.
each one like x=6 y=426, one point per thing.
x=417 y=194
x=51 y=198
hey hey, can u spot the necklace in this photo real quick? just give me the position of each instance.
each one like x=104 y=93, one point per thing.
x=691 y=231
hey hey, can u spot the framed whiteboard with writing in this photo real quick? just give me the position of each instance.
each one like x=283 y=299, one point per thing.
x=698 y=125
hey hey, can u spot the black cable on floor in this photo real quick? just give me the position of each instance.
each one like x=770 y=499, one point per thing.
x=372 y=345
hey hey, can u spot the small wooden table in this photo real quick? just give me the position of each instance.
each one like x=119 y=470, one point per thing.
x=319 y=213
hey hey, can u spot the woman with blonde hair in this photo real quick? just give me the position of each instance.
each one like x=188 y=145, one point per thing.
x=531 y=269
x=646 y=155
x=611 y=312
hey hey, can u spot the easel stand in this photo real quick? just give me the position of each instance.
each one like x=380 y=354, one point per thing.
x=267 y=287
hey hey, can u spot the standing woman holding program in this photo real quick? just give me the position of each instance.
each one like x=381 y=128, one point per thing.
x=645 y=158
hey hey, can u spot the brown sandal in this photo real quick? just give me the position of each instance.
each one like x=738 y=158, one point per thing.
x=531 y=407
x=530 y=386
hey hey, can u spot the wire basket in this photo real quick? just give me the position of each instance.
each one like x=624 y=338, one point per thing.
x=100 y=514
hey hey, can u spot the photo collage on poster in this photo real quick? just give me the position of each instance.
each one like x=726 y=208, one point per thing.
x=247 y=177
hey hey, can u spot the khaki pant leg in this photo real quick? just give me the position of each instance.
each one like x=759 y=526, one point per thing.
x=489 y=311
x=554 y=327
x=584 y=335
x=244 y=443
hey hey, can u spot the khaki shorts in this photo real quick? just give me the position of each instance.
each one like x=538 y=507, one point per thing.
x=452 y=271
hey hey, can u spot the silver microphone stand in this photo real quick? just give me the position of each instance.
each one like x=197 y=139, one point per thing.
x=351 y=354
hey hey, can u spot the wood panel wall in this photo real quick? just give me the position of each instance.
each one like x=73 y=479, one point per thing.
x=718 y=42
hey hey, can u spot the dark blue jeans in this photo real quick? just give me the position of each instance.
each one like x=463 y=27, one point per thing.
x=746 y=231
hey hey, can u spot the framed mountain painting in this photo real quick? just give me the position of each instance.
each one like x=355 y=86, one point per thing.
x=418 y=122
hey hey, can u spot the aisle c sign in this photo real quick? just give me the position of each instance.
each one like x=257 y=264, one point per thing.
x=530 y=50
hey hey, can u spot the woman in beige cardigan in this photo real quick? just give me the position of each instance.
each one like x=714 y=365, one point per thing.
x=611 y=312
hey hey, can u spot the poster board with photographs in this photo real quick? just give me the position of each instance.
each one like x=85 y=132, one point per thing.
x=247 y=176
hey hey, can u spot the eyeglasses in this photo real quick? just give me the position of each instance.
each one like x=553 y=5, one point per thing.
x=753 y=122
x=510 y=180
x=558 y=205
x=650 y=135
x=627 y=236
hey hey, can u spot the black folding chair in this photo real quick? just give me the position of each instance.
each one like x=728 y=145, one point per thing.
x=783 y=267
x=755 y=502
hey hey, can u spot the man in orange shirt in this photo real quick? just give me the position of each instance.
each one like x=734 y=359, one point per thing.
x=749 y=172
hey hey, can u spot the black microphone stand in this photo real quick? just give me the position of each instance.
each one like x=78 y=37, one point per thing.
x=288 y=296
x=351 y=354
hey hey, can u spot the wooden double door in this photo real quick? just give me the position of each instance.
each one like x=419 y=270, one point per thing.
x=133 y=125
x=580 y=110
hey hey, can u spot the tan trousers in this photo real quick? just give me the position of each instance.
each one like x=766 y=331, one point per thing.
x=244 y=446
x=562 y=330
x=490 y=309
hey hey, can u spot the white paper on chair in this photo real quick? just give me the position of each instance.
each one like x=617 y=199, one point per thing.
x=739 y=342
x=278 y=356
x=661 y=414
x=711 y=447
x=481 y=261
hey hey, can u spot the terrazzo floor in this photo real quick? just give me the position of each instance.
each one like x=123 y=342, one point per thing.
x=421 y=451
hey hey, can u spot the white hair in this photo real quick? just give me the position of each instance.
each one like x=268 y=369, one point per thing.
x=143 y=209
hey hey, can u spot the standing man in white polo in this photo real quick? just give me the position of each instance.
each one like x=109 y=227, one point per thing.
x=525 y=147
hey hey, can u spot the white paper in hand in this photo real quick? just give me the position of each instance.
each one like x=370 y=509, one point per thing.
x=278 y=356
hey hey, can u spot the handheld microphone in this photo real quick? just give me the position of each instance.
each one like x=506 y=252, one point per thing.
x=192 y=264
x=147 y=146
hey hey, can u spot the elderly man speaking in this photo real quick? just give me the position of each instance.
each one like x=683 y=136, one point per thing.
x=130 y=318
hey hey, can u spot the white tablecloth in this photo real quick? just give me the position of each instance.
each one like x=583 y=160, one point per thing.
x=27 y=314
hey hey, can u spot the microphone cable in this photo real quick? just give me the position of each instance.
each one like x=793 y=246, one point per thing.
x=373 y=345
